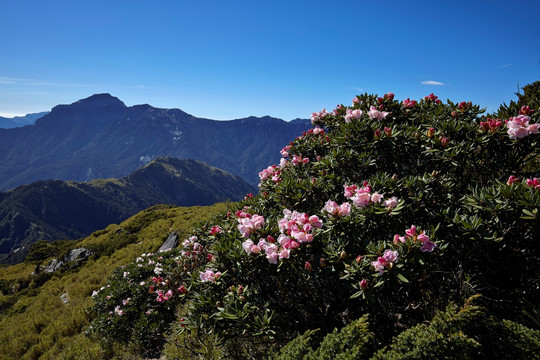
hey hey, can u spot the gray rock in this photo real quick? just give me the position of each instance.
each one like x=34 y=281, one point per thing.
x=170 y=243
x=65 y=298
x=74 y=258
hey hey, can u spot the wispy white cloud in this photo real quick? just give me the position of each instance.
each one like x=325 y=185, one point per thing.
x=505 y=66
x=431 y=82
x=33 y=82
x=356 y=88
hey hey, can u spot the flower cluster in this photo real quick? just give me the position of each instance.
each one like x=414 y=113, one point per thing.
x=272 y=172
x=209 y=275
x=315 y=117
x=376 y=114
x=298 y=159
x=352 y=115
x=386 y=261
x=432 y=98
x=191 y=247
x=162 y=297
x=248 y=223
x=362 y=196
x=414 y=237
x=408 y=103
x=518 y=127
x=490 y=125
x=296 y=228
x=534 y=183
x=216 y=229
x=333 y=209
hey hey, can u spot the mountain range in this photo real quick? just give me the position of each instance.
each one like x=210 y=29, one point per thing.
x=101 y=137
x=18 y=121
x=56 y=210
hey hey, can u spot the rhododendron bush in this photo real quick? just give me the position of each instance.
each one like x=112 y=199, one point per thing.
x=385 y=207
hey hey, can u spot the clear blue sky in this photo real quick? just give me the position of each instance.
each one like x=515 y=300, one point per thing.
x=231 y=59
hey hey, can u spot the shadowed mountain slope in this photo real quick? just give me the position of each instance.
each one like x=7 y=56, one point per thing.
x=55 y=209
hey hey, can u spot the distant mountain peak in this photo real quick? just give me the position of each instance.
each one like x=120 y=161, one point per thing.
x=104 y=99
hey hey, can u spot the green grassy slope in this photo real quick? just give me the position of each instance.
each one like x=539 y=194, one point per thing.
x=36 y=323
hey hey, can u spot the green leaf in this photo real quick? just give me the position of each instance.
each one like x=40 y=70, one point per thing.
x=402 y=278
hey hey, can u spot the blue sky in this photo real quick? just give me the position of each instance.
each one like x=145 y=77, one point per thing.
x=231 y=59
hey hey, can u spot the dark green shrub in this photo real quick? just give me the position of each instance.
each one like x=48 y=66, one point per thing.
x=393 y=209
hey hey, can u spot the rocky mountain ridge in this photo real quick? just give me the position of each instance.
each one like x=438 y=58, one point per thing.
x=101 y=137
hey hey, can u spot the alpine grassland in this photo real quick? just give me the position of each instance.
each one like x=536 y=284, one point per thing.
x=35 y=323
x=392 y=229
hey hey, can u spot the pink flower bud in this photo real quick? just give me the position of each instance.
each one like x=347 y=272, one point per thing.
x=444 y=142
x=512 y=179
x=430 y=132
x=308 y=267
x=389 y=96
x=363 y=284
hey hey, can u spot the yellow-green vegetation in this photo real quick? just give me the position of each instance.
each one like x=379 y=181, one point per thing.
x=35 y=322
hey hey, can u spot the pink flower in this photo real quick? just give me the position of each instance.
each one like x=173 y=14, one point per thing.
x=126 y=301
x=389 y=96
x=423 y=237
x=182 y=289
x=376 y=198
x=428 y=246
x=411 y=231
x=215 y=230
x=315 y=117
x=525 y=110
x=518 y=127
x=315 y=222
x=272 y=254
x=246 y=225
x=390 y=256
x=250 y=248
x=118 y=311
x=398 y=239
x=408 y=103
x=350 y=190
x=533 y=128
x=356 y=100
x=361 y=199
x=209 y=275
x=284 y=254
x=379 y=264
x=318 y=131
x=518 y=133
x=307 y=266
x=376 y=114
x=334 y=209
x=352 y=115
x=391 y=203
x=533 y=183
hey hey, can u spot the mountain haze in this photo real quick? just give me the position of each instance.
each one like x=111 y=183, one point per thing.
x=17 y=121
x=56 y=210
x=100 y=137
